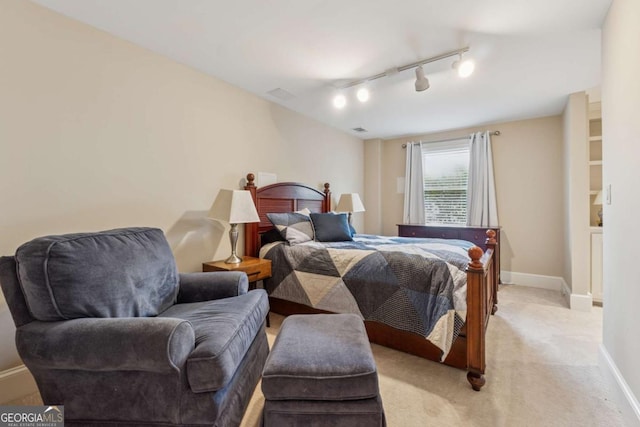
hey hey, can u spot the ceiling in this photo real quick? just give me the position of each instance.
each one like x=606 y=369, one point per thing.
x=529 y=55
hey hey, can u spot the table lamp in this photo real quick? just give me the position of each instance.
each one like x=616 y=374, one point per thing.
x=350 y=202
x=598 y=201
x=235 y=207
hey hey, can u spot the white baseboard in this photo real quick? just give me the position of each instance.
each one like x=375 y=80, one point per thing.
x=624 y=397
x=532 y=280
x=580 y=302
x=576 y=302
x=16 y=383
x=554 y=283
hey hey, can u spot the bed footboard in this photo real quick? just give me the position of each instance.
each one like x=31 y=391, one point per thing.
x=482 y=287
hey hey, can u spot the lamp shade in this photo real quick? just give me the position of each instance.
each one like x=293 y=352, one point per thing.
x=234 y=207
x=350 y=202
x=598 y=199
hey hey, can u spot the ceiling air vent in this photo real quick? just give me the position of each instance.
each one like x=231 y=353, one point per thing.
x=359 y=129
x=281 y=94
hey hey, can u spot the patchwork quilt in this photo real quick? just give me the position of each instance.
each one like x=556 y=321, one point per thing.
x=416 y=285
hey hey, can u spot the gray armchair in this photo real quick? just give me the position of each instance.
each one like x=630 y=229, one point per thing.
x=111 y=330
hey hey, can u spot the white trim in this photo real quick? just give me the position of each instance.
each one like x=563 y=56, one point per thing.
x=16 y=383
x=580 y=302
x=532 y=280
x=623 y=395
x=575 y=301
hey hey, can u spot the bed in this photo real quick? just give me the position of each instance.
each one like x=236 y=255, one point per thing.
x=449 y=326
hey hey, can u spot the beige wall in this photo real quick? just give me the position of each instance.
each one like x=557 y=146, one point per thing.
x=528 y=173
x=621 y=154
x=372 y=189
x=576 y=203
x=98 y=133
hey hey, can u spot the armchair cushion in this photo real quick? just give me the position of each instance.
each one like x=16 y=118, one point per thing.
x=128 y=272
x=196 y=287
x=224 y=330
x=150 y=344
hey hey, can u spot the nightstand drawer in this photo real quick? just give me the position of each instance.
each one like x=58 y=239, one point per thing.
x=256 y=268
x=258 y=271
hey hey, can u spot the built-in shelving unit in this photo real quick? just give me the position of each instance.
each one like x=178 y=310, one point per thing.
x=595 y=186
x=595 y=160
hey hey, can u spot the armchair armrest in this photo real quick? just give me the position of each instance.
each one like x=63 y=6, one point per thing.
x=196 y=287
x=153 y=344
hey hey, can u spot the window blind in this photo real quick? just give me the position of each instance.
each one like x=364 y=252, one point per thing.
x=446 y=169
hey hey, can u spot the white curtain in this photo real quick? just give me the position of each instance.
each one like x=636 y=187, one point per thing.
x=482 y=208
x=414 y=186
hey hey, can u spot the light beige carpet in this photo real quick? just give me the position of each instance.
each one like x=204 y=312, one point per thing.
x=542 y=370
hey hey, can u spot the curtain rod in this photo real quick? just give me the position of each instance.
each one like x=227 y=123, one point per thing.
x=495 y=133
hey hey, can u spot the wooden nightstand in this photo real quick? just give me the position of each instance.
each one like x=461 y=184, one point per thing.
x=256 y=269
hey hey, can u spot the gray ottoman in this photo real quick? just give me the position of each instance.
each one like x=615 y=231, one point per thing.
x=321 y=372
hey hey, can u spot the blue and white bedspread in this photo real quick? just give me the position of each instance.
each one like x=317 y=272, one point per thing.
x=416 y=285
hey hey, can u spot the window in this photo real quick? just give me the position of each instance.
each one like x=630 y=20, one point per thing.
x=445 y=166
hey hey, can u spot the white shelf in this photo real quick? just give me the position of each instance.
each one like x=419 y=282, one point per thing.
x=594 y=147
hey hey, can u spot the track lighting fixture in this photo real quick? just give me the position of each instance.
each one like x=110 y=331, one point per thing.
x=363 y=94
x=339 y=101
x=464 y=68
x=422 y=83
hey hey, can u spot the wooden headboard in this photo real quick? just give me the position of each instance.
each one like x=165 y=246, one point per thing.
x=280 y=197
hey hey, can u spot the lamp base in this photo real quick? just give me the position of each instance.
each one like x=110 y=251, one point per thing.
x=233 y=259
x=600 y=218
x=233 y=236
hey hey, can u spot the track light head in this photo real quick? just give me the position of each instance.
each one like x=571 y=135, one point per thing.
x=465 y=68
x=363 y=94
x=339 y=101
x=422 y=83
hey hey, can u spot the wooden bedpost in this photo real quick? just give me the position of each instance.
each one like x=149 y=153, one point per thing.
x=476 y=314
x=251 y=229
x=327 y=195
x=491 y=243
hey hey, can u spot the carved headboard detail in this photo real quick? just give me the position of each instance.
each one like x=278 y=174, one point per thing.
x=280 y=197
